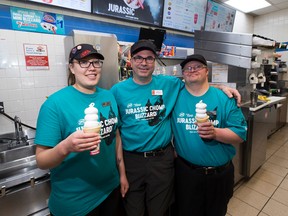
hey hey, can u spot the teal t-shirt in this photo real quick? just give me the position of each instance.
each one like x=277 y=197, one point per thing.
x=145 y=112
x=81 y=182
x=223 y=113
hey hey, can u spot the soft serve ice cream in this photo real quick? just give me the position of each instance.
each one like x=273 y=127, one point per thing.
x=201 y=115
x=92 y=124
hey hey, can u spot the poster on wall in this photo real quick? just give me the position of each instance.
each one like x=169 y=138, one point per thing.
x=81 y=5
x=36 y=57
x=184 y=15
x=219 y=18
x=37 y=21
x=143 y=11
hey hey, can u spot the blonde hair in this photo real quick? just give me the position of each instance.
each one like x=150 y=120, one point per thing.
x=71 y=77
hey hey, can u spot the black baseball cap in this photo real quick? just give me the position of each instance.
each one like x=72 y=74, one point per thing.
x=143 y=45
x=194 y=57
x=83 y=50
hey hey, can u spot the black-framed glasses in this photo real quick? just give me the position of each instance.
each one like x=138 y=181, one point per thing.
x=140 y=59
x=193 y=68
x=86 y=64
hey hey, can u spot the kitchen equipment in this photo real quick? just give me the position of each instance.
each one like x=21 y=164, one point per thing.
x=253 y=98
x=256 y=143
x=253 y=79
x=24 y=187
x=238 y=163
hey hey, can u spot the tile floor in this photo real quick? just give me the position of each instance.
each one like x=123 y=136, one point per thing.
x=266 y=192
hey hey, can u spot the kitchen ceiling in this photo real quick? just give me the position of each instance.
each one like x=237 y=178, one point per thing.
x=276 y=5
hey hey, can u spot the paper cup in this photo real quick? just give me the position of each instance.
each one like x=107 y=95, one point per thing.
x=201 y=120
x=93 y=130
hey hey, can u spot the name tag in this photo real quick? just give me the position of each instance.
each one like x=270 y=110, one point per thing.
x=157 y=92
x=104 y=104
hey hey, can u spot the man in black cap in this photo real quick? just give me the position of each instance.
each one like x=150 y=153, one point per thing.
x=206 y=124
x=145 y=103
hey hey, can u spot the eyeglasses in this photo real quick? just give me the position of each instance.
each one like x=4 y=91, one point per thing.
x=193 y=68
x=139 y=59
x=86 y=64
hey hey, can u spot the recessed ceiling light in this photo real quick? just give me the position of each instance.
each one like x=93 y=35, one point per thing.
x=247 y=6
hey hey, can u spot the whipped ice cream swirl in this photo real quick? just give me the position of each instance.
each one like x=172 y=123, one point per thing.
x=91 y=117
x=201 y=110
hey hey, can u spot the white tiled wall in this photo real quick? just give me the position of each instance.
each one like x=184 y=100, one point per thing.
x=274 y=26
x=23 y=91
x=243 y=23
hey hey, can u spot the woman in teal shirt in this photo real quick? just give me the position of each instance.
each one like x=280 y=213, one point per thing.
x=81 y=184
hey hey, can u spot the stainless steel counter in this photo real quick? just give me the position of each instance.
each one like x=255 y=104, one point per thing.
x=24 y=187
x=261 y=122
x=272 y=100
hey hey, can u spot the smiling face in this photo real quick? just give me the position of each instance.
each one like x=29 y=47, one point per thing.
x=195 y=72
x=86 y=79
x=142 y=71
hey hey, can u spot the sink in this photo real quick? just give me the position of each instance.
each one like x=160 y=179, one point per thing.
x=17 y=153
x=12 y=136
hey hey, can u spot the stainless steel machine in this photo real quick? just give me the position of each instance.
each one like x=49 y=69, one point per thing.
x=25 y=188
x=254 y=152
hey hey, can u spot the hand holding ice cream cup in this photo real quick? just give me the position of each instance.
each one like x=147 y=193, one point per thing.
x=201 y=115
x=92 y=124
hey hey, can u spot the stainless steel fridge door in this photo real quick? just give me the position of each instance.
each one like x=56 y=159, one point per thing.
x=256 y=140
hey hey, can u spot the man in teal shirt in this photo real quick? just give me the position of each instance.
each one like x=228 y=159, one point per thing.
x=204 y=172
x=145 y=104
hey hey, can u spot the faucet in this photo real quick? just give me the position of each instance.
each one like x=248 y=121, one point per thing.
x=18 y=129
x=20 y=137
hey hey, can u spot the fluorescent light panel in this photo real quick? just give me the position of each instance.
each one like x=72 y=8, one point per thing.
x=247 y=6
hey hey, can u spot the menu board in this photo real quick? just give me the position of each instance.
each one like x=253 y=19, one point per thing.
x=188 y=15
x=143 y=11
x=219 y=17
x=81 y=5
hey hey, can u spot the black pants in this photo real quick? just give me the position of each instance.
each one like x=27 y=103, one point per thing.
x=151 y=183
x=202 y=195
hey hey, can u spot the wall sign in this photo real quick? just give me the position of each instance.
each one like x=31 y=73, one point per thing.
x=219 y=17
x=143 y=11
x=184 y=15
x=37 y=21
x=36 y=57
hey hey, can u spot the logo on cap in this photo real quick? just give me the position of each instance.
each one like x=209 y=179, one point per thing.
x=85 y=53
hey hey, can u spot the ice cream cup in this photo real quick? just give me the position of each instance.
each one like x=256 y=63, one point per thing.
x=93 y=130
x=201 y=120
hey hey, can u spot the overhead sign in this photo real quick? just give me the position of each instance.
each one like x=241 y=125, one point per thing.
x=184 y=15
x=37 y=21
x=148 y=11
x=82 y=5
